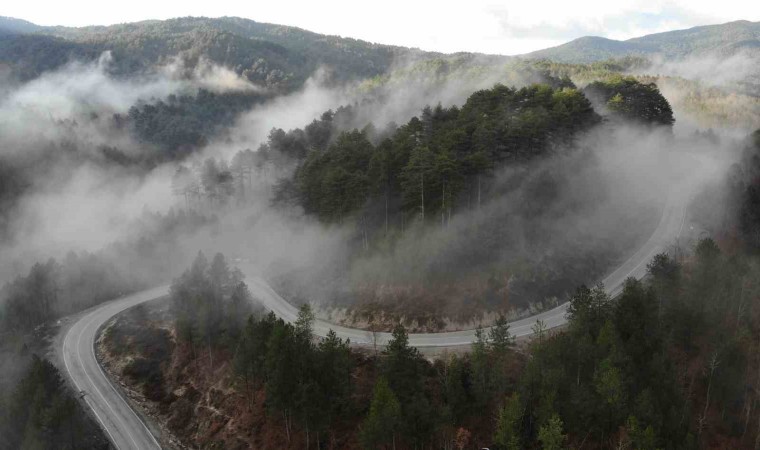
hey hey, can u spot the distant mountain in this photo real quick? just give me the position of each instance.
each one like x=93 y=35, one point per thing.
x=283 y=57
x=273 y=55
x=9 y=25
x=723 y=40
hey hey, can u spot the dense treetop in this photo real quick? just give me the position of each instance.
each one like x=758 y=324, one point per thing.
x=425 y=165
x=663 y=366
x=41 y=413
x=182 y=124
x=628 y=98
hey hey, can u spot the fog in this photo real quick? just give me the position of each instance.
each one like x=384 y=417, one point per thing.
x=411 y=85
x=606 y=196
x=712 y=69
x=54 y=127
x=602 y=201
x=710 y=91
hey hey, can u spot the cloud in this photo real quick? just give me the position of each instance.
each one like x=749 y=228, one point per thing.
x=624 y=22
x=53 y=130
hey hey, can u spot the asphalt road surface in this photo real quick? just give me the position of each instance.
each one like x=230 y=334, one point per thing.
x=127 y=431
x=664 y=236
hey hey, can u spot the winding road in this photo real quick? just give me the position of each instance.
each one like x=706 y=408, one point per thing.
x=128 y=431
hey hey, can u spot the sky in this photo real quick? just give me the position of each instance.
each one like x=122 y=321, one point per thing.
x=487 y=26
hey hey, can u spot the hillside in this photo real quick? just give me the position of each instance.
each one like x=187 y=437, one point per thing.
x=272 y=55
x=283 y=57
x=10 y=25
x=722 y=40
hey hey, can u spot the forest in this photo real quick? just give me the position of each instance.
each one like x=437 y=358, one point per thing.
x=671 y=363
x=38 y=409
x=482 y=207
x=274 y=56
x=42 y=413
x=443 y=172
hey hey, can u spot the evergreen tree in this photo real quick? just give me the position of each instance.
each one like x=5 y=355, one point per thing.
x=380 y=426
x=508 y=424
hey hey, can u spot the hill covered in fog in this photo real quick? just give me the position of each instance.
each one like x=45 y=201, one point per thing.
x=270 y=55
x=716 y=40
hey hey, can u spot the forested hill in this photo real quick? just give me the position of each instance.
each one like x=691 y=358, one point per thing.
x=721 y=40
x=9 y=25
x=271 y=55
x=439 y=160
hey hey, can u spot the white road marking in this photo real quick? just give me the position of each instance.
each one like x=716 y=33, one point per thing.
x=108 y=380
x=102 y=397
x=68 y=369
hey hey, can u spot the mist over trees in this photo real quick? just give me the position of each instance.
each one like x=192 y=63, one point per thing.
x=183 y=124
x=274 y=56
x=631 y=100
x=492 y=202
x=668 y=364
x=41 y=413
x=746 y=189
x=429 y=164
x=80 y=280
x=442 y=172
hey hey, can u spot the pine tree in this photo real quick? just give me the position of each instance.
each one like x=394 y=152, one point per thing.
x=508 y=429
x=380 y=426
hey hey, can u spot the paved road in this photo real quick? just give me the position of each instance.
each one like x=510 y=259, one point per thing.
x=664 y=236
x=127 y=431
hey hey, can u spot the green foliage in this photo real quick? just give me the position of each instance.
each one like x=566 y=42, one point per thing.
x=55 y=288
x=499 y=338
x=182 y=124
x=481 y=373
x=80 y=280
x=744 y=193
x=305 y=383
x=611 y=377
x=550 y=435
x=403 y=365
x=627 y=98
x=334 y=183
x=614 y=369
x=31 y=300
x=41 y=414
x=380 y=426
x=424 y=166
x=509 y=423
x=406 y=371
x=725 y=39
x=666 y=276
x=275 y=56
x=29 y=55
x=207 y=300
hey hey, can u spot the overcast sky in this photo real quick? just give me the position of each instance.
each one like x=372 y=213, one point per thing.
x=502 y=27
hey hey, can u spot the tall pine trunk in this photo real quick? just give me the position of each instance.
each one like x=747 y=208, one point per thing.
x=422 y=196
x=386 y=211
x=478 y=192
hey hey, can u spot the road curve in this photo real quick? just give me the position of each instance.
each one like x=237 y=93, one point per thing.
x=664 y=236
x=127 y=431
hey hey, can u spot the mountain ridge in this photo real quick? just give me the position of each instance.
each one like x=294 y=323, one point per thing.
x=12 y=25
x=283 y=57
x=720 y=39
x=276 y=56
